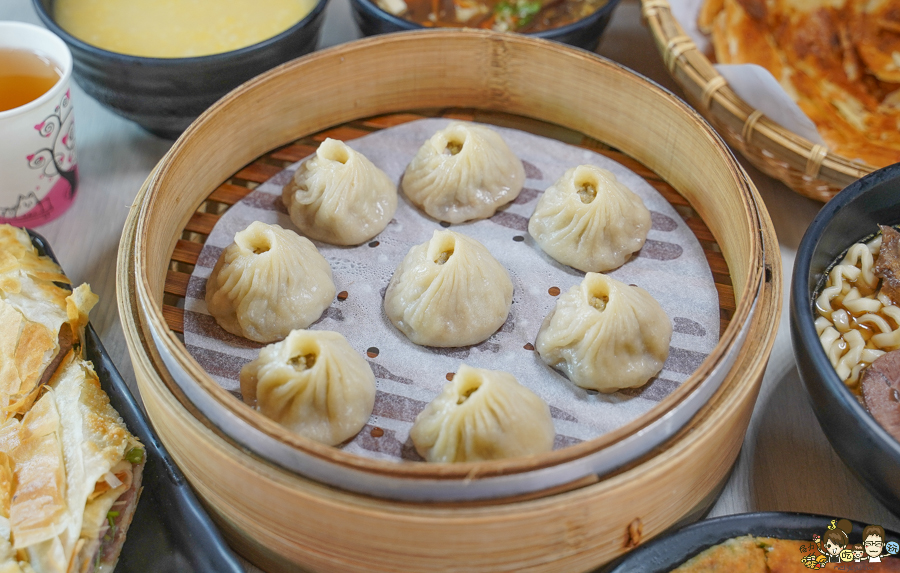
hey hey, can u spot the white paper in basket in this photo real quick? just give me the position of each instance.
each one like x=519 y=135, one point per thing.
x=671 y=266
x=754 y=84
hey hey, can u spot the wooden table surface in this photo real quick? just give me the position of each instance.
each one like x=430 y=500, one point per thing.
x=786 y=463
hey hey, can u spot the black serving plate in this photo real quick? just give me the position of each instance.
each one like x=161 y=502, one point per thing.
x=171 y=531
x=669 y=551
x=585 y=33
x=853 y=214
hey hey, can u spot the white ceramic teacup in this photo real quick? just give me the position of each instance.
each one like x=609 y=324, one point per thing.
x=38 y=175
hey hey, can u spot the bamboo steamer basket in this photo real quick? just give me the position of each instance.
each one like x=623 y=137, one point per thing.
x=808 y=168
x=280 y=519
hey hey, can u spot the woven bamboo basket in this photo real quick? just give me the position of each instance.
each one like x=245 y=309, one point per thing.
x=806 y=167
x=281 y=499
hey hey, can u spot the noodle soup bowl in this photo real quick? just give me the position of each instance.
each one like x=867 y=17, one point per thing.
x=164 y=95
x=870 y=452
x=584 y=33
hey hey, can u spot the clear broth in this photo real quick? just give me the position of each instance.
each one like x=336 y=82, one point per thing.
x=24 y=77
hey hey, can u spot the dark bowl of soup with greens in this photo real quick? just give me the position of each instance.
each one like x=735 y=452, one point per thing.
x=578 y=23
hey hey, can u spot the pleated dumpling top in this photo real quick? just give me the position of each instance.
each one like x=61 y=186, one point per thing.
x=483 y=415
x=464 y=172
x=605 y=335
x=313 y=383
x=448 y=291
x=589 y=220
x=340 y=197
x=268 y=282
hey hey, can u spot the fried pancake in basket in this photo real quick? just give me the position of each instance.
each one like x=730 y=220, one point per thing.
x=875 y=29
x=835 y=58
x=757 y=45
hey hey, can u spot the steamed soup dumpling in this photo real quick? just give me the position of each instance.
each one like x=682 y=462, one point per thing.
x=464 y=172
x=313 y=383
x=268 y=282
x=339 y=197
x=483 y=415
x=605 y=335
x=589 y=220
x=448 y=291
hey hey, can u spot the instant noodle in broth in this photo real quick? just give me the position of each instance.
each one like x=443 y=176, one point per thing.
x=856 y=322
x=859 y=324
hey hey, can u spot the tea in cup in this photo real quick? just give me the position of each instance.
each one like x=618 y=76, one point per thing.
x=38 y=173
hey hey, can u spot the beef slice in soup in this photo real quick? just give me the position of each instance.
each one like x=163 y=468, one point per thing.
x=887 y=267
x=881 y=391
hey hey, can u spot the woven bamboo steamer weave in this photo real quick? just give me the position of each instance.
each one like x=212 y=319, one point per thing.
x=281 y=519
x=806 y=167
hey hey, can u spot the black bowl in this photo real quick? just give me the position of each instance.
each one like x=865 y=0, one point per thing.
x=584 y=33
x=164 y=95
x=854 y=213
x=669 y=551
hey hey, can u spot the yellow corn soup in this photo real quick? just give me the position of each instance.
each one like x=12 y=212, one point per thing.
x=177 y=28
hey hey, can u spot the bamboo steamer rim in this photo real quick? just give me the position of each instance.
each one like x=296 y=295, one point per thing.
x=509 y=489
x=128 y=304
x=808 y=168
x=201 y=138
x=596 y=515
x=460 y=469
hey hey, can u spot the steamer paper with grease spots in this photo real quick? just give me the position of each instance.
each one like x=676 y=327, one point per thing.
x=671 y=266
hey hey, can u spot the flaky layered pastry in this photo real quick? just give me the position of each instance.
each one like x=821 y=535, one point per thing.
x=39 y=319
x=70 y=471
x=838 y=59
x=75 y=473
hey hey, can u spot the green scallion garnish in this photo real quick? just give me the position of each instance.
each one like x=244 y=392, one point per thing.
x=134 y=455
